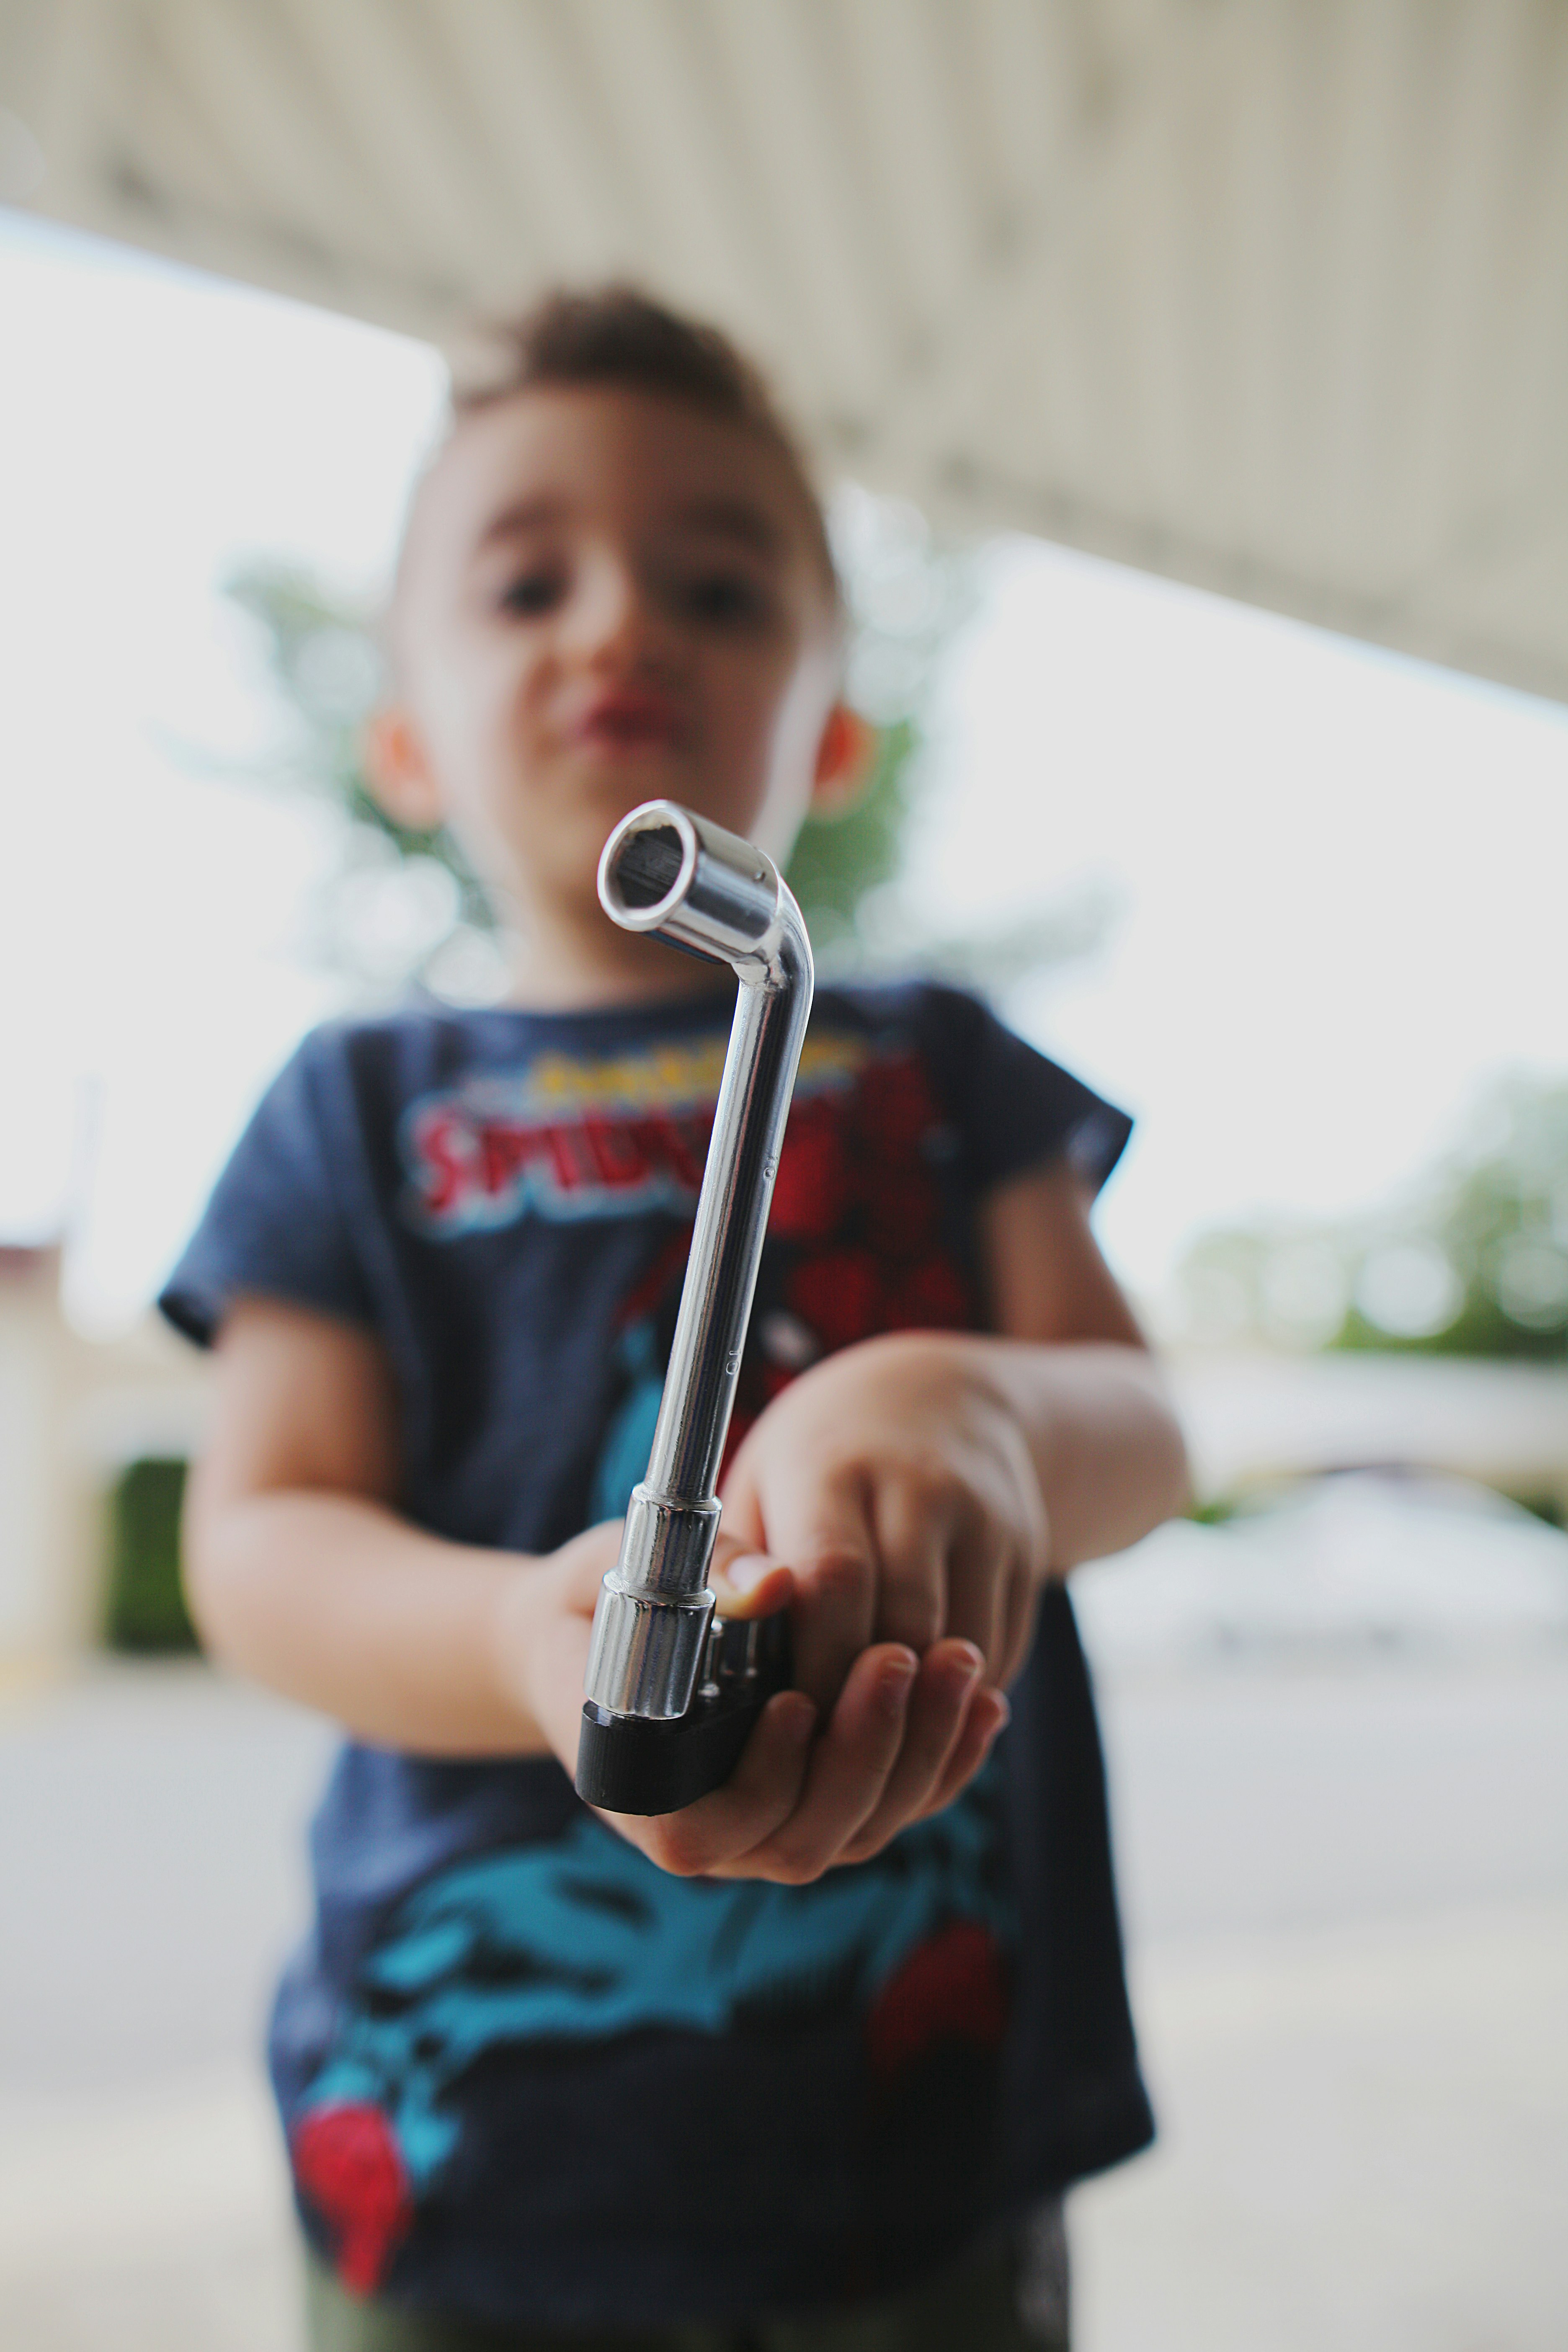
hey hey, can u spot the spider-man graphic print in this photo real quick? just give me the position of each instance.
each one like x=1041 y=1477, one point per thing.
x=508 y=1200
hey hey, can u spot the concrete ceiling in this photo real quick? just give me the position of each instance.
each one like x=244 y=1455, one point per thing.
x=1266 y=295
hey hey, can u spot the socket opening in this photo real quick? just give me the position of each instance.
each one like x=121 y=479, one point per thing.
x=647 y=866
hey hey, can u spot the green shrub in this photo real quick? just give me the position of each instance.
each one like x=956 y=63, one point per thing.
x=144 y=1606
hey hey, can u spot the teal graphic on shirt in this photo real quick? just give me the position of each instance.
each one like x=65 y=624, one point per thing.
x=585 y=1938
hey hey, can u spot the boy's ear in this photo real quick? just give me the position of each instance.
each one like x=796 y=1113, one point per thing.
x=845 y=759
x=398 y=770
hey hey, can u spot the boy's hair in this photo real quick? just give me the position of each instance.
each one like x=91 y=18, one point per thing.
x=616 y=336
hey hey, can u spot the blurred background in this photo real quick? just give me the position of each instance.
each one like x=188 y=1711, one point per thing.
x=1189 y=377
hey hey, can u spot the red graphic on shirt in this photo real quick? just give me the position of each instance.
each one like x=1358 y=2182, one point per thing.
x=855 y=1230
x=815 y=1184
x=347 y=2164
x=854 y=1233
x=854 y=1174
x=952 y=1988
x=839 y=1293
x=894 y=1108
x=481 y=1169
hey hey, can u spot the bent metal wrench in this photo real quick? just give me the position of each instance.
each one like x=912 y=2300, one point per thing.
x=672 y=1690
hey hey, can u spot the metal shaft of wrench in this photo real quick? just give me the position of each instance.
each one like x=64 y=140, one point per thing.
x=672 y=1692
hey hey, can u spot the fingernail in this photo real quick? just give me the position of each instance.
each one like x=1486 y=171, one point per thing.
x=744 y=1574
x=802 y=1721
x=898 y=1675
x=1004 y=1714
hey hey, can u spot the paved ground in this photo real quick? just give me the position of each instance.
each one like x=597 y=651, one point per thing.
x=1365 y=2146
x=1347 y=1892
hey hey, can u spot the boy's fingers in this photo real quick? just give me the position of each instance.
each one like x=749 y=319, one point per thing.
x=741 y=1524
x=748 y=1583
x=979 y=1566
x=937 y=1713
x=829 y=1545
x=848 y=1770
x=582 y=1564
x=987 y=1718
x=913 y=1537
x=760 y=1794
x=834 y=1619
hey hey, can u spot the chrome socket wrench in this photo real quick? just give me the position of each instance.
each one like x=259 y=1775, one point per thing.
x=673 y=1690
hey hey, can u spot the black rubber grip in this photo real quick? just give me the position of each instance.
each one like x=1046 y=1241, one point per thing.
x=631 y=1765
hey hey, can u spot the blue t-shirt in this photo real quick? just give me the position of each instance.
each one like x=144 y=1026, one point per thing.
x=524 y=2075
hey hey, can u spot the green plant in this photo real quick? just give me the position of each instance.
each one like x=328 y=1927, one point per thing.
x=838 y=860
x=144 y=1604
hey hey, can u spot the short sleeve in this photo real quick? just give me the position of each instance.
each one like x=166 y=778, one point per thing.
x=1013 y=1109
x=276 y=1223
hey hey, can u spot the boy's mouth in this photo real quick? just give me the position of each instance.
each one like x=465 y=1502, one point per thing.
x=630 y=719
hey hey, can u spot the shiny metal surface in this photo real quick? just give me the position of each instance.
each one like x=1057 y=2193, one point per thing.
x=667 y=870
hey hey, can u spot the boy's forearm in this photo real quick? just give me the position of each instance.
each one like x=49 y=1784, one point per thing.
x=414 y=1642
x=1104 y=1439
x=407 y=1641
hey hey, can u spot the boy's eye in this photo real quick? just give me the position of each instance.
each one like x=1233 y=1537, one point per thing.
x=536 y=591
x=728 y=597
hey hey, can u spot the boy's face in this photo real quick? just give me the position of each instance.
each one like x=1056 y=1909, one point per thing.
x=607 y=598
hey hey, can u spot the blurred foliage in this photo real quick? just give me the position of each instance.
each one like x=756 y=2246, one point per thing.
x=1472 y=1262
x=400 y=905
x=404 y=907
x=907 y=597
x=324 y=660
x=144 y=1604
x=839 y=859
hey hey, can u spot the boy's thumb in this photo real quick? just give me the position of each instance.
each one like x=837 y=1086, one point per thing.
x=814 y=1525
x=750 y=1583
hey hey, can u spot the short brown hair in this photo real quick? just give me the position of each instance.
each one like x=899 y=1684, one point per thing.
x=617 y=336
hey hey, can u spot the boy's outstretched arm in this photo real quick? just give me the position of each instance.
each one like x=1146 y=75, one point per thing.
x=303 y=1574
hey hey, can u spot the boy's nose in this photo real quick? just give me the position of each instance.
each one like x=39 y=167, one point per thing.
x=618 y=621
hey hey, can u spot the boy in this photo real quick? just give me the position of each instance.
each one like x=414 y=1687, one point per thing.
x=789 y=2067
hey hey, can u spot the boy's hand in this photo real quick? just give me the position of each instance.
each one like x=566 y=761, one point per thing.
x=899 y=1737
x=896 y=1480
